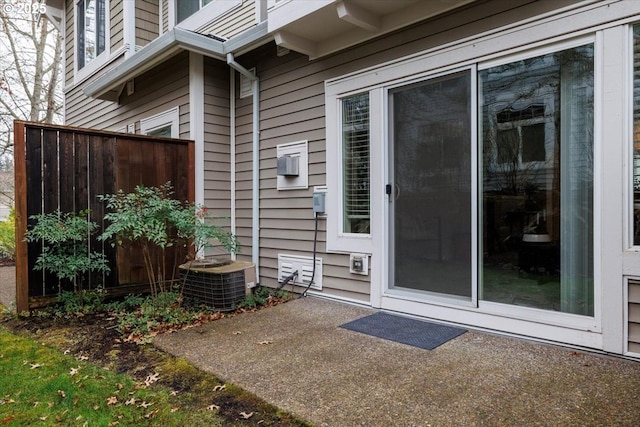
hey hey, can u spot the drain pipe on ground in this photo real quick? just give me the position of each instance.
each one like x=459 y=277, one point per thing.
x=255 y=205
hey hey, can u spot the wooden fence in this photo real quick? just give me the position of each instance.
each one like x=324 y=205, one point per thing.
x=65 y=168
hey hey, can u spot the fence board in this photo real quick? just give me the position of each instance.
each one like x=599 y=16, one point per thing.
x=66 y=168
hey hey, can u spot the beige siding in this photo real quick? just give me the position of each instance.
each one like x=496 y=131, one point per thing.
x=147 y=21
x=217 y=173
x=165 y=16
x=117 y=24
x=292 y=109
x=69 y=54
x=634 y=317
x=234 y=22
x=158 y=90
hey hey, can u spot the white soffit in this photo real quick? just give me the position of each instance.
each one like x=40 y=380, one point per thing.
x=329 y=26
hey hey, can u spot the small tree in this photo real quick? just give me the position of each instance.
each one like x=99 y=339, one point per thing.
x=65 y=238
x=151 y=219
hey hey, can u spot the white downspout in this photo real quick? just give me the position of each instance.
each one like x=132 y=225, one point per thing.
x=232 y=147
x=255 y=220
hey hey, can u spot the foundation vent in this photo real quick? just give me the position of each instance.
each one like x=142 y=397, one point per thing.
x=287 y=264
x=633 y=317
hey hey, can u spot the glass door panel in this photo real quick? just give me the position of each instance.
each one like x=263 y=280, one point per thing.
x=431 y=200
x=536 y=118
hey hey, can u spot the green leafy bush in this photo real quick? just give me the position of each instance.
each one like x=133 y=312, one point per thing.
x=65 y=238
x=8 y=236
x=151 y=219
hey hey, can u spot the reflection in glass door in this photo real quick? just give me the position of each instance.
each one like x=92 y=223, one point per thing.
x=431 y=200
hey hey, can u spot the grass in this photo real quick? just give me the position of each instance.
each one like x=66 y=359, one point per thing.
x=41 y=386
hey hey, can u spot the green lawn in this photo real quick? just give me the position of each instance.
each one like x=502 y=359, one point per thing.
x=43 y=387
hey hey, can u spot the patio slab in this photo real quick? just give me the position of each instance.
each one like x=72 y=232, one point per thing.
x=296 y=357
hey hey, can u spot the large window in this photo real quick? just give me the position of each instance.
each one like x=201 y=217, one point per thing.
x=536 y=117
x=91 y=35
x=356 y=163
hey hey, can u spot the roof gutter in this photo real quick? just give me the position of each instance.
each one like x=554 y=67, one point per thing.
x=168 y=45
x=255 y=202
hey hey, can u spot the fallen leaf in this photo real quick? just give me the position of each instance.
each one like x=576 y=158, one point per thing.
x=35 y=404
x=36 y=365
x=245 y=415
x=66 y=352
x=174 y=392
x=152 y=413
x=44 y=418
x=237 y=333
x=265 y=342
x=131 y=401
x=8 y=419
x=213 y=407
x=96 y=407
x=144 y=405
x=219 y=387
x=151 y=379
x=120 y=386
x=76 y=398
x=74 y=371
x=174 y=410
x=50 y=405
x=82 y=357
x=112 y=400
x=62 y=394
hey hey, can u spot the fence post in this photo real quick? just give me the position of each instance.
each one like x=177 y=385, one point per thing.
x=20 y=195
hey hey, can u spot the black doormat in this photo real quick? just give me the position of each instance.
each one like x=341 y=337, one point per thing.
x=404 y=330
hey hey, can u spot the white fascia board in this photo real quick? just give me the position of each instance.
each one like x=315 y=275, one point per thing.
x=280 y=17
x=251 y=38
x=153 y=54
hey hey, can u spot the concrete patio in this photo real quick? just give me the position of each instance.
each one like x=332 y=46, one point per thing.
x=297 y=357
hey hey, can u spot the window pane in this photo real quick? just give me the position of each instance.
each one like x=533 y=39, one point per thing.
x=186 y=8
x=164 y=131
x=355 y=156
x=537 y=182
x=91 y=30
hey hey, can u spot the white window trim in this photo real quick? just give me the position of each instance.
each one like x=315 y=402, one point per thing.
x=169 y=117
x=100 y=60
x=206 y=14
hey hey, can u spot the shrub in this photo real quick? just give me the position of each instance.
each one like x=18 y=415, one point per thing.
x=65 y=238
x=8 y=236
x=153 y=220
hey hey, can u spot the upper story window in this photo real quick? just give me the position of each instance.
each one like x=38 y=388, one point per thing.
x=91 y=30
x=186 y=8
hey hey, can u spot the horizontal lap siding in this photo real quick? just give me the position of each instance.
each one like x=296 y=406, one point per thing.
x=158 y=90
x=292 y=109
x=217 y=171
x=234 y=22
x=165 y=16
x=68 y=48
x=147 y=21
x=117 y=24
